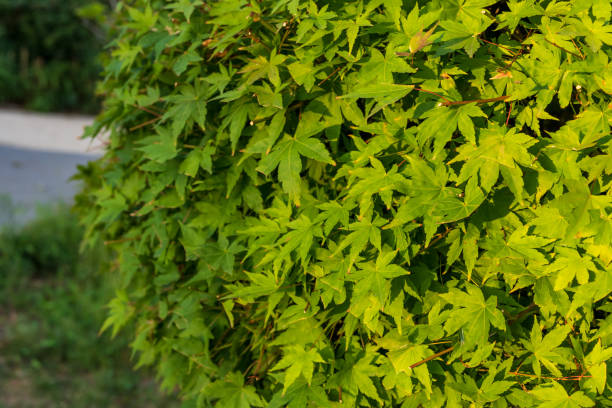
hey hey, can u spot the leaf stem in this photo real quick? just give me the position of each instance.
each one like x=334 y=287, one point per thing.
x=564 y=49
x=148 y=122
x=432 y=93
x=522 y=314
x=498 y=45
x=577 y=48
x=509 y=111
x=498 y=98
x=438 y=354
x=329 y=76
x=142 y=108
x=286 y=34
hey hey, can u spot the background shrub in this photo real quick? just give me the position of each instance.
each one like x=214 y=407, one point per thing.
x=362 y=203
x=49 y=53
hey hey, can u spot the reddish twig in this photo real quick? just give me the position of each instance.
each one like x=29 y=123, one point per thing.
x=438 y=354
x=432 y=93
x=329 y=76
x=448 y=102
x=148 y=122
x=498 y=45
x=142 y=108
x=568 y=378
x=577 y=48
x=499 y=98
x=566 y=50
x=515 y=58
x=509 y=111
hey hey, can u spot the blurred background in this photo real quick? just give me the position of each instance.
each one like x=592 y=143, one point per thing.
x=52 y=295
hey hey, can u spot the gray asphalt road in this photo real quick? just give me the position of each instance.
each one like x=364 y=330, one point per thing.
x=29 y=178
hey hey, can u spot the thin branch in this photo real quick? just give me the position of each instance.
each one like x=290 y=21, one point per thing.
x=148 y=122
x=287 y=31
x=142 y=108
x=438 y=354
x=522 y=314
x=438 y=238
x=498 y=45
x=515 y=58
x=568 y=378
x=329 y=76
x=511 y=320
x=577 y=48
x=432 y=93
x=566 y=50
x=509 y=111
x=499 y=98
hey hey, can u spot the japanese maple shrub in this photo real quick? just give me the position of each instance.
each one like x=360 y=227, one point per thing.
x=361 y=203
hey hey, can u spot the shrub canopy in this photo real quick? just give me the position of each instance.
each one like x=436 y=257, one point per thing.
x=362 y=203
x=49 y=51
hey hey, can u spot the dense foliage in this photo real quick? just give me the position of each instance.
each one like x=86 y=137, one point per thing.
x=362 y=203
x=48 y=53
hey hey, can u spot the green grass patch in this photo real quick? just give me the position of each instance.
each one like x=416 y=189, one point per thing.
x=52 y=305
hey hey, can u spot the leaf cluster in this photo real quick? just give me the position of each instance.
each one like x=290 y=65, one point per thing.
x=362 y=203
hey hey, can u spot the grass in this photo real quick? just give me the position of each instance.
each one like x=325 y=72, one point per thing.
x=51 y=308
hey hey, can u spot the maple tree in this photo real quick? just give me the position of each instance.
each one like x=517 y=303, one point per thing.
x=361 y=203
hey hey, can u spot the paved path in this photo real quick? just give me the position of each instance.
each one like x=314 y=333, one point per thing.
x=38 y=155
x=47 y=132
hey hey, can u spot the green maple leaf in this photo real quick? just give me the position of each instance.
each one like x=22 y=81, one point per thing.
x=568 y=265
x=451 y=209
x=554 y=395
x=301 y=395
x=520 y=245
x=221 y=255
x=596 y=32
x=363 y=231
x=596 y=362
x=543 y=348
x=189 y=104
x=497 y=151
x=355 y=376
x=381 y=67
x=184 y=60
x=403 y=359
x=301 y=236
x=142 y=20
x=298 y=361
x=441 y=122
x=473 y=314
x=427 y=185
x=230 y=392
x=160 y=147
x=261 y=284
x=261 y=67
x=375 y=180
x=384 y=93
x=185 y=6
x=303 y=73
x=287 y=157
x=375 y=277
x=518 y=10
x=466 y=24
x=333 y=213
x=236 y=120
x=196 y=159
